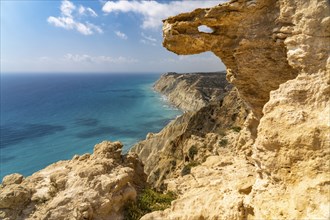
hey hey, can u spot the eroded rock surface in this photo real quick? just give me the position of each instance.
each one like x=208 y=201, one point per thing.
x=213 y=190
x=246 y=36
x=277 y=55
x=91 y=186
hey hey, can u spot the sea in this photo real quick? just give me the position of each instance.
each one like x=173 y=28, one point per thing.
x=50 y=117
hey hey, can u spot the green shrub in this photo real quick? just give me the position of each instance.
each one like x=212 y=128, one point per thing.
x=223 y=142
x=192 y=151
x=236 y=129
x=148 y=201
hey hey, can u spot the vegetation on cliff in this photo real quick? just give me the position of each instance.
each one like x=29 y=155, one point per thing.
x=147 y=201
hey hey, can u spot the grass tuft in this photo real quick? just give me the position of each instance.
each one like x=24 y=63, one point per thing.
x=148 y=201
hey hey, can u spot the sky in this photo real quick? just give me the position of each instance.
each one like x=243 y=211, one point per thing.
x=94 y=36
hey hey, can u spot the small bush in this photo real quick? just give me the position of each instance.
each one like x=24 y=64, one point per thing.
x=192 y=151
x=148 y=201
x=236 y=129
x=223 y=142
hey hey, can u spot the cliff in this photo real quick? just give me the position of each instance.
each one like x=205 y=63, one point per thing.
x=257 y=150
x=277 y=56
x=193 y=91
x=91 y=186
x=198 y=133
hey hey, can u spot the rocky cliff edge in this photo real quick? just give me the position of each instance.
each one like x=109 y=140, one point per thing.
x=91 y=186
x=277 y=56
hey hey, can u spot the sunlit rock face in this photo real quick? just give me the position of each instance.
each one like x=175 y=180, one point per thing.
x=246 y=36
x=91 y=186
x=277 y=56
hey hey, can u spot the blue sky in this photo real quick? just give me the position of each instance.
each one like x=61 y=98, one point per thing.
x=94 y=36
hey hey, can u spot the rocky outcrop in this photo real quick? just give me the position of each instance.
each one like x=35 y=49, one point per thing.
x=247 y=37
x=193 y=91
x=277 y=56
x=91 y=186
x=213 y=190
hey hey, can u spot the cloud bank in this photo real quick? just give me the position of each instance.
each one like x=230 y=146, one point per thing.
x=84 y=58
x=154 y=12
x=67 y=19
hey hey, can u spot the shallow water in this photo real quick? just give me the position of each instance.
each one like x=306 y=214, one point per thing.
x=51 y=117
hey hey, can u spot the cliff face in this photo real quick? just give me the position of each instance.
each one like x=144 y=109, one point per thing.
x=197 y=134
x=87 y=187
x=193 y=91
x=277 y=56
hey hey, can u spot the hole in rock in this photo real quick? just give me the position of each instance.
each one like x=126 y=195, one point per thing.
x=205 y=29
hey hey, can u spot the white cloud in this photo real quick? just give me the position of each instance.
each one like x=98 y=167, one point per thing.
x=94 y=27
x=84 y=58
x=154 y=12
x=67 y=8
x=149 y=40
x=64 y=22
x=67 y=20
x=87 y=11
x=121 y=35
x=82 y=28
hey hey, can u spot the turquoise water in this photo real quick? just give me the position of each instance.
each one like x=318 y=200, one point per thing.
x=51 y=117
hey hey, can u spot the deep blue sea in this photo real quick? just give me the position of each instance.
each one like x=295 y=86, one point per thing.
x=51 y=117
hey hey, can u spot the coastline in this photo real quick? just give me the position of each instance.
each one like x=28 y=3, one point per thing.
x=259 y=150
x=45 y=186
x=98 y=107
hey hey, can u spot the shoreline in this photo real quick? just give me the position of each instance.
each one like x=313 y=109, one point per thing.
x=81 y=128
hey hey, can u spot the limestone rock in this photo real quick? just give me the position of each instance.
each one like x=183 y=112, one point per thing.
x=243 y=39
x=91 y=186
x=211 y=190
x=191 y=92
x=277 y=56
x=14 y=178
